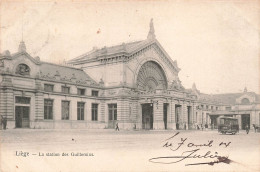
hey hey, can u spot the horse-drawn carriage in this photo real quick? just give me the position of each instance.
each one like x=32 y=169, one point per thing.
x=228 y=125
x=256 y=127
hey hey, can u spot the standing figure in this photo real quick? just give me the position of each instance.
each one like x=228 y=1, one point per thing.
x=177 y=126
x=1 y=122
x=4 y=122
x=255 y=127
x=117 y=128
x=247 y=129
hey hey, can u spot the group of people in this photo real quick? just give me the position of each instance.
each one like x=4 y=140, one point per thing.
x=202 y=127
x=3 y=122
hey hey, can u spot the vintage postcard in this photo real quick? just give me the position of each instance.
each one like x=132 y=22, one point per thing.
x=134 y=86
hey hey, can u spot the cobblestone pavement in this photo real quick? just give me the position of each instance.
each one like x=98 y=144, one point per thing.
x=108 y=150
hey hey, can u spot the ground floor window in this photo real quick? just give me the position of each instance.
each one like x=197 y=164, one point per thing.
x=65 y=110
x=94 y=110
x=48 y=109
x=80 y=108
x=112 y=109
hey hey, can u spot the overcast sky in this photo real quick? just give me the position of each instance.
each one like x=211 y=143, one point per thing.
x=215 y=43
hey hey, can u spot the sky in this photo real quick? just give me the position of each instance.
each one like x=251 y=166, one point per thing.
x=215 y=43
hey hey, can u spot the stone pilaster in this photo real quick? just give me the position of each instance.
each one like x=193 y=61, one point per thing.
x=158 y=122
x=139 y=116
x=239 y=121
x=8 y=111
x=172 y=124
x=102 y=111
x=193 y=116
x=184 y=115
x=123 y=113
x=134 y=110
x=39 y=106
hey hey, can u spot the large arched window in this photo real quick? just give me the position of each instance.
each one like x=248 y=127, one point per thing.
x=150 y=77
x=22 y=69
x=245 y=101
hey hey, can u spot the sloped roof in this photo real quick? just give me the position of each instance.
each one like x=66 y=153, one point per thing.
x=126 y=48
x=49 y=69
x=208 y=98
x=228 y=98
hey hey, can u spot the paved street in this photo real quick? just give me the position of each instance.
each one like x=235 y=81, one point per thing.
x=108 y=150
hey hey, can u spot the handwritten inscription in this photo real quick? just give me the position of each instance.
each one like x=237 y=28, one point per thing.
x=194 y=151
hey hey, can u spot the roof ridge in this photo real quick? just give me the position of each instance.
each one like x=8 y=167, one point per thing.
x=119 y=44
x=61 y=65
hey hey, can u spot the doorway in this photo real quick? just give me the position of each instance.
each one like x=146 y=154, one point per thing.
x=22 y=116
x=213 y=121
x=147 y=116
x=177 y=116
x=245 y=120
x=112 y=115
x=165 y=112
x=189 y=118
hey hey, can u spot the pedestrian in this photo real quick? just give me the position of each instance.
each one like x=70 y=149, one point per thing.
x=201 y=127
x=117 y=128
x=247 y=129
x=134 y=126
x=1 y=122
x=4 y=122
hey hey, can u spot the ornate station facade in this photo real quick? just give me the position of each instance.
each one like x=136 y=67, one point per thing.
x=133 y=84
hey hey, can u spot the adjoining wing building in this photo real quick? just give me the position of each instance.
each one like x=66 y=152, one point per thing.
x=133 y=84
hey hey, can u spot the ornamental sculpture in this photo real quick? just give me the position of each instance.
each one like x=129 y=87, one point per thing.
x=22 y=69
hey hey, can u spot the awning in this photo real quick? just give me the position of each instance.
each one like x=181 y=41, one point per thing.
x=223 y=113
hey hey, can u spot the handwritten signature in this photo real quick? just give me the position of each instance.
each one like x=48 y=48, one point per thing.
x=194 y=153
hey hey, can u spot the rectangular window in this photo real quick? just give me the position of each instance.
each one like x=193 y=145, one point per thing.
x=81 y=91
x=65 y=110
x=48 y=87
x=22 y=100
x=211 y=107
x=94 y=109
x=112 y=109
x=48 y=109
x=65 y=89
x=228 y=108
x=94 y=93
x=80 y=108
x=216 y=108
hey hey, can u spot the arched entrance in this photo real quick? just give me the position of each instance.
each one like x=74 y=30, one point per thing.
x=151 y=77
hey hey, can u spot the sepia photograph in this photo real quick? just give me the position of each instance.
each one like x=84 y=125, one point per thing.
x=137 y=85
